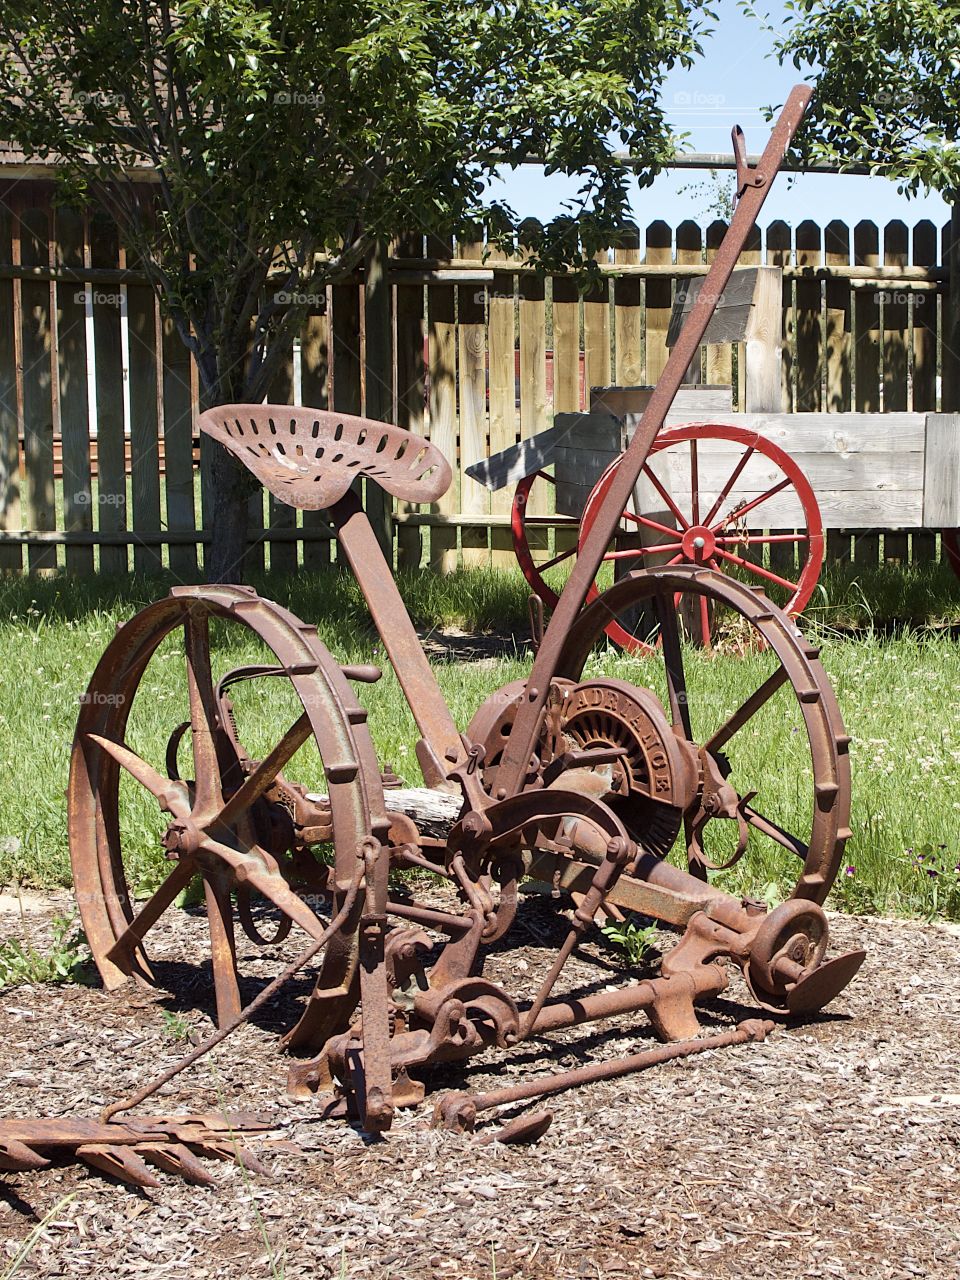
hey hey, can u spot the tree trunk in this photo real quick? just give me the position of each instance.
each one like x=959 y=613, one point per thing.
x=227 y=550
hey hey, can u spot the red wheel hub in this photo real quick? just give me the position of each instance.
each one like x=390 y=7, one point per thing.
x=699 y=544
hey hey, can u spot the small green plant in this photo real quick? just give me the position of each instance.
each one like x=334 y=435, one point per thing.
x=174 y=1027
x=938 y=874
x=23 y=965
x=635 y=940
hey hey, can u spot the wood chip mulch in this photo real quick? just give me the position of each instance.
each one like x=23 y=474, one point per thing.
x=833 y=1149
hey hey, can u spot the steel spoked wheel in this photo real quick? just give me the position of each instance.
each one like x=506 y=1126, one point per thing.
x=779 y=706
x=152 y=714
x=535 y=561
x=702 y=493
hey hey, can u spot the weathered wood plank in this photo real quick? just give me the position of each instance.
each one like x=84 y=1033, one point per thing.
x=628 y=312
x=111 y=478
x=780 y=254
x=378 y=380
x=658 y=293
x=472 y=350
x=11 y=557
x=501 y=341
x=809 y=321
x=409 y=312
x=719 y=355
x=442 y=338
x=178 y=448
x=839 y=380
x=510 y=466
x=38 y=355
x=533 y=376
x=144 y=420
x=866 y=374
x=924 y=384
x=895 y=355
x=72 y=376
x=596 y=333
x=941 y=483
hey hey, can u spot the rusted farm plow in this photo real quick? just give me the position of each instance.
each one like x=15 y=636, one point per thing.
x=586 y=784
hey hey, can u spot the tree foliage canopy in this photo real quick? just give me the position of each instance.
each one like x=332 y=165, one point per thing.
x=288 y=136
x=888 y=85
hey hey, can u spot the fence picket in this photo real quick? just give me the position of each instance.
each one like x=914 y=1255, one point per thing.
x=895 y=355
x=719 y=357
x=144 y=425
x=442 y=339
x=659 y=300
x=472 y=347
x=533 y=373
x=836 y=244
x=410 y=388
x=924 y=301
x=11 y=556
x=38 y=402
x=628 y=312
x=71 y=353
x=866 y=375
x=501 y=341
x=111 y=487
x=178 y=448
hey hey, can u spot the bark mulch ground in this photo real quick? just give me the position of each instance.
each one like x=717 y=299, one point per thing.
x=833 y=1149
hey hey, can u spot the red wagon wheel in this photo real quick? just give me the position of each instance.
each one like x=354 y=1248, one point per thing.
x=951 y=545
x=533 y=562
x=708 y=528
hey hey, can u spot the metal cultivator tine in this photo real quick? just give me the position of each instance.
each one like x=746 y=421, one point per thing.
x=17 y=1157
x=119 y=1162
x=174 y=1157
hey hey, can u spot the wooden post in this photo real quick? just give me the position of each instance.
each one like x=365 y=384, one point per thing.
x=924 y=301
x=11 y=556
x=410 y=386
x=442 y=336
x=866 y=374
x=839 y=371
x=472 y=335
x=72 y=377
x=690 y=253
x=378 y=382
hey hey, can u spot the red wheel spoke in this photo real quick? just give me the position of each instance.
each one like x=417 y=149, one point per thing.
x=747 y=710
x=642 y=551
x=564 y=555
x=734 y=477
x=694 y=483
x=705 y=622
x=648 y=523
x=152 y=910
x=733 y=540
x=758 y=569
x=678 y=514
x=206 y=764
x=740 y=512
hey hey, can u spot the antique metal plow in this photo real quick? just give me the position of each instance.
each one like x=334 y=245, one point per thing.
x=584 y=783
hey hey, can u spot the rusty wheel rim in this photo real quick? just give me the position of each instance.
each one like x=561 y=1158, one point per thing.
x=96 y=841
x=798 y=666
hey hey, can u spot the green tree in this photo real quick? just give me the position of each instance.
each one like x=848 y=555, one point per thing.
x=888 y=96
x=289 y=137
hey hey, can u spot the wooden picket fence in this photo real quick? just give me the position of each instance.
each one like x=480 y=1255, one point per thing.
x=101 y=469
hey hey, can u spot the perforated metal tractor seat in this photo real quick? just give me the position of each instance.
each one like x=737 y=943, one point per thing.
x=308 y=458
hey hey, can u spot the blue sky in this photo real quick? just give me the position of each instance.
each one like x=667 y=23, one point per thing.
x=729 y=85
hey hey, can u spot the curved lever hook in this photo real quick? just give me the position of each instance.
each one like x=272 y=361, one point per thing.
x=747 y=175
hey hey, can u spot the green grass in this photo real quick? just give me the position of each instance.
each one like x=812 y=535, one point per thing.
x=898 y=693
